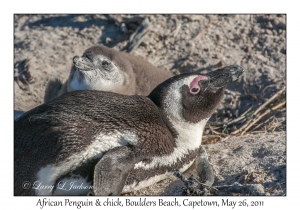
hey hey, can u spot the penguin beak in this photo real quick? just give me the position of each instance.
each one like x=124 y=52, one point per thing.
x=223 y=76
x=83 y=63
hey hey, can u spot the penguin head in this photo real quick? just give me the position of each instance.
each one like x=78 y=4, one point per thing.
x=102 y=68
x=194 y=97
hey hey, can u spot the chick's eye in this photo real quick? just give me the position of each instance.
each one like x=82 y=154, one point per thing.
x=105 y=63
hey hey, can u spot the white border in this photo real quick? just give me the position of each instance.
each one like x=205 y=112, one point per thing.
x=153 y=6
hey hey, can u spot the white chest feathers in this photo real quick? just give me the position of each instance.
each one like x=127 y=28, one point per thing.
x=189 y=138
x=76 y=85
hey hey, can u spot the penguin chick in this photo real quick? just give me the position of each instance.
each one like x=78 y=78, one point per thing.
x=112 y=143
x=103 y=68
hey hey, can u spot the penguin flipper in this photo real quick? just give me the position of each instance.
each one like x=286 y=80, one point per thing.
x=204 y=168
x=52 y=89
x=111 y=171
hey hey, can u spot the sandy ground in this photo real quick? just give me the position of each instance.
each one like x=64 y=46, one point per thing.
x=178 y=43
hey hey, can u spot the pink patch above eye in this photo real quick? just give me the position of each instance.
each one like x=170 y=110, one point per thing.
x=194 y=86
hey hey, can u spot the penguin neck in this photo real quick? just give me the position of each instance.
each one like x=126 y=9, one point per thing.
x=185 y=133
x=95 y=80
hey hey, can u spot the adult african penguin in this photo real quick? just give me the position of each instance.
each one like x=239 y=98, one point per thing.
x=106 y=69
x=110 y=143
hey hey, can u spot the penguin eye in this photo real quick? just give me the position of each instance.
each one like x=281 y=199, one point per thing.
x=105 y=63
